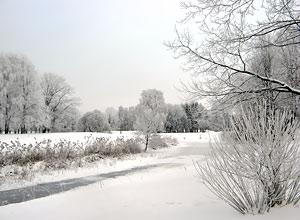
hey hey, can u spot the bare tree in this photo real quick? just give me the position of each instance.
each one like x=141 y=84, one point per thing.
x=231 y=34
x=290 y=62
x=58 y=98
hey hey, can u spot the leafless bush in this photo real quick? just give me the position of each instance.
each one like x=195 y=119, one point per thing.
x=157 y=141
x=116 y=148
x=171 y=141
x=255 y=165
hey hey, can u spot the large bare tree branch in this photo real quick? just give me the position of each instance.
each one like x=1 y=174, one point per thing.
x=230 y=42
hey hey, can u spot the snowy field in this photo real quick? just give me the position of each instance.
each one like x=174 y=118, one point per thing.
x=168 y=188
x=81 y=137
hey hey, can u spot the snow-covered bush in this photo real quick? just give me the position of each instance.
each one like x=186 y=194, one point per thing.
x=255 y=166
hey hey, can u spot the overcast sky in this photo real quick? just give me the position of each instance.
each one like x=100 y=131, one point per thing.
x=109 y=51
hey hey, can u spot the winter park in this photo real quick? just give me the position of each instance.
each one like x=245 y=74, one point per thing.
x=174 y=109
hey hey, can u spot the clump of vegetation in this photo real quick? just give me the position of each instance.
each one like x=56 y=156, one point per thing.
x=116 y=148
x=16 y=157
x=157 y=141
x=256 y=164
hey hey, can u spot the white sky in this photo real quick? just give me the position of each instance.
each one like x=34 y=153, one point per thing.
x=109 y=51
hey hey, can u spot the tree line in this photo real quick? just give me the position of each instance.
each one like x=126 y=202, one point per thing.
x=34 y=102
x=154 y=114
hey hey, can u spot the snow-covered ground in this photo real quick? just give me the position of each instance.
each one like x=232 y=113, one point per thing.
x=81 y=137
x=170 y=189
x=103 y=166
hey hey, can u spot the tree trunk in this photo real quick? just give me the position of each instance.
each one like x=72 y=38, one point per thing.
x=52 y=124
x=23 y=126
x=147 y=142
x=23 y=129
x=6 y=128
x=6 y=117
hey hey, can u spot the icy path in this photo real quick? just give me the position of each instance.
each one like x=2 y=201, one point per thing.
x=170 y=189
x=28 y=193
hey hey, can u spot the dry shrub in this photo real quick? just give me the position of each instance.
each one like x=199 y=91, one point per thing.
x=157 y=141
x=255 y=165
x=61 y=154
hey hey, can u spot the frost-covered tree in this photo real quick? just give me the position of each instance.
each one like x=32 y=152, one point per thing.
x=94 y=121
x=112 y=117
x=176 y=119
x=219 y=39
x=195 y=113
x=68 y=121
x=20 y=99
x=7 y=91
x=127 y=117
x=290 y=69
x=150 y=114
x=58 y=98
x=30 y=99
x=153 y=99
x=132 y=117
x=280 y=63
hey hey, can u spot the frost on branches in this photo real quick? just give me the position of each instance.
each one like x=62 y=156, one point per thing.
x=256 y=164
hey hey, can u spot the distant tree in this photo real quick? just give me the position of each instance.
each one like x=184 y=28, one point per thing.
x=290 y=67
x=58 y=98
x=127 y=117
x=19 y=93
x=194 y=112
x=123 y=119
x=271 y=62
x=68 y=121
x=176 y=119
x=150 y=114
x=132 y=117
x=153 y=99
x=217 y=120
x=113 y=118
x=203 y=123
x=94 y=121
